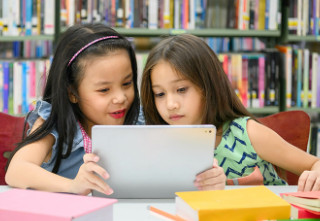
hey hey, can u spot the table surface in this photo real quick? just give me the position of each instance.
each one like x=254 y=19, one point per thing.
x=136 y=209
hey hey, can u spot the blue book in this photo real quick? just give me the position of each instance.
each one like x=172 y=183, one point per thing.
x=24 y=89
x=6 y=76
x=266 y=24
x=28 y=17
x=16 y=49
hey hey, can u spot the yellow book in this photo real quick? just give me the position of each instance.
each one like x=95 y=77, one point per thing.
x=249 y=203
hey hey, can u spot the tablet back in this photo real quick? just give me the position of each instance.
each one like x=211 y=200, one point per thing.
x=153 y=161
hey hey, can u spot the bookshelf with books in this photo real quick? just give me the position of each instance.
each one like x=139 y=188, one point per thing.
x=27 y=34
x=233 y=21
x=264 y=20
x=300 y=46
x=301 y=38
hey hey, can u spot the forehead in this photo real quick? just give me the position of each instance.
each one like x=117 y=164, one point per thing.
x=165 y=71
x=109 y=67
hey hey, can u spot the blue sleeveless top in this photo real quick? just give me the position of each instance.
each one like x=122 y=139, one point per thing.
x=69 y=167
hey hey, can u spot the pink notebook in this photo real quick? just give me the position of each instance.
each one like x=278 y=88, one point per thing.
x=20 y=204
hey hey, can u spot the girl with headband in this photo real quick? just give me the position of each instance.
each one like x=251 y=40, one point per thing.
x=92 y=81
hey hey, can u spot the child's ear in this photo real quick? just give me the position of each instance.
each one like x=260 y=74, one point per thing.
x=72 y=97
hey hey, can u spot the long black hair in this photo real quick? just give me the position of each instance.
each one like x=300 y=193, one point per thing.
x=63 y=77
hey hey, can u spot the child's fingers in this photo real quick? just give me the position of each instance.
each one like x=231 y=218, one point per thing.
x=90 y=157
x=215 y=163
x=211 y=173
x=93 y=167
x=95 y=183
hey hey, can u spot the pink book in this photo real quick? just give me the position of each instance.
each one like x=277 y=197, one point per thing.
x=20 y=204
x=302 y=213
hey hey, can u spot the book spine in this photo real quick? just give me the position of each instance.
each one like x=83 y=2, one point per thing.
x=10 y=101
x=288 y=71
x=318 y=85
x=153 y=15
x=294 y=77
x=314 y=73
x=261 y=81
x=1 y=86
x=28 y=24
x=299 y=79
x=305 y=77
x=24 y=88
x=6 y=76
x=244 y=83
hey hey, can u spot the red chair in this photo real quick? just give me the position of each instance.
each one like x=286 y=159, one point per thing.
x=294 y=127
x=11 y=131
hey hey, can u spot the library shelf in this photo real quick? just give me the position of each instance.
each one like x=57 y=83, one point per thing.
x=206 y=32
x=264 y=110
x=307 y=38
x=25 y=38
x=306 y=109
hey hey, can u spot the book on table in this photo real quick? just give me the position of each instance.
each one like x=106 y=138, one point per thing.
x=249 y=203
x=309 y=200
x=302 y=213
x=21 y=204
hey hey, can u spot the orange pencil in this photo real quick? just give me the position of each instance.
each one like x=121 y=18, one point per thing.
x=165 y=214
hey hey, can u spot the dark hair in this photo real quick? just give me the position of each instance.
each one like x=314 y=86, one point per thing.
x=191 y=57
x=64 y=114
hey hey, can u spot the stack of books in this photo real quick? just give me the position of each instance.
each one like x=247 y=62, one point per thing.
x=303 y=204
x=251 y=203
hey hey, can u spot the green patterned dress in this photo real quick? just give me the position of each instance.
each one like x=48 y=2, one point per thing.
x=237 y=156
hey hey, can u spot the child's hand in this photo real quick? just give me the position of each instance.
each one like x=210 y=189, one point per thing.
x=309 y=181
x=87 y=178
x=212 y=179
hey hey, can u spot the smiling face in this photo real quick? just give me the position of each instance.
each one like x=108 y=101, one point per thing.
x=107 y=90
x=177 y=99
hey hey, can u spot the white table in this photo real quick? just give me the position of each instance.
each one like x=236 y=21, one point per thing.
x=136 y=209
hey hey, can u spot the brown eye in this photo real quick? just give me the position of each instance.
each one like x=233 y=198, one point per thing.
x=127 y=83
x=159 y=94
x=182 y=90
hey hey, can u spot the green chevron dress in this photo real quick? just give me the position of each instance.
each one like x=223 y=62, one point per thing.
x=237 y=156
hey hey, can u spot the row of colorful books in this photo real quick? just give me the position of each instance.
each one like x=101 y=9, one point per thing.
x=21 y=84
x=178 y=14
x=26 y=49
x=217 y=44
x=304 y=17
x=27 y=17
x=302 y=74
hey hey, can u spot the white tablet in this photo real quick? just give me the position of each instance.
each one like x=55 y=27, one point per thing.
x=155 y=161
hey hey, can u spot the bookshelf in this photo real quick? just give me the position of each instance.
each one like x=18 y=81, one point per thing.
x=271 y=38
x=27 y=33
x=26 y=38
x=208 y=32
